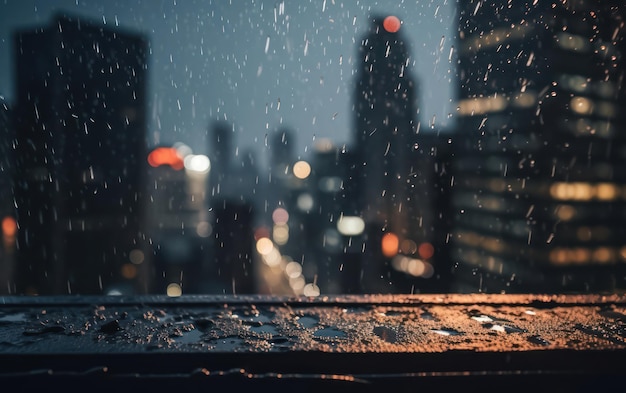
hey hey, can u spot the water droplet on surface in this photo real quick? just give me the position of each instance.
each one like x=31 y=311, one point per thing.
x=538 y=340
x=308 y=321
x=189 y=337
x=329 y=332
x=447 y=332
x=387 y=334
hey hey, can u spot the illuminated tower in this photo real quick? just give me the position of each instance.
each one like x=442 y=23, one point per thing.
x=178 y=221
x=80 y=157
x=540 y=182
x=387 y=165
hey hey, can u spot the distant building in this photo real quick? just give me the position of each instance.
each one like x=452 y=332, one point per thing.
x=221 y=152
x=231 y=269
x=336 y=239
x=391 y=177
x=80 y=157
x=539 y=174
x=234 y=199
x=179 y=225
x=7 y=158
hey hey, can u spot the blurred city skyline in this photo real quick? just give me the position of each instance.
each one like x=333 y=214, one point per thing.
x=529 y=196
x=259 y=65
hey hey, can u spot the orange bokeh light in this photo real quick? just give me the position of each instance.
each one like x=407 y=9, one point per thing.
x=426 y=250
x=392 y=24
x=390 y=244
x=9 y=227
x=166 y=156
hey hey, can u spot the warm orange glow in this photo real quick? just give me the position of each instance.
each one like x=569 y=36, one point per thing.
x=264 y=246
x=301 y=169
x=391 y=24
x=582 y=191
x=129 y=271
x=426 y=250
x=481 y=105
x=166 y=156
x=174 y=290
x=9 y=226
x=389 y=245
x=408 y=247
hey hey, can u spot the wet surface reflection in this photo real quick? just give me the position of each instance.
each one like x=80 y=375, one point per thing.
x=339 y=324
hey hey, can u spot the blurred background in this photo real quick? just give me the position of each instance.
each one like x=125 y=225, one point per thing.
x=312 y=148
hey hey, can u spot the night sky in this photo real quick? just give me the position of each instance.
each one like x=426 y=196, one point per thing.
x=259 y=64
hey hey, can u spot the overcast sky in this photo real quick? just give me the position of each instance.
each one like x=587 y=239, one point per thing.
x=259 y=64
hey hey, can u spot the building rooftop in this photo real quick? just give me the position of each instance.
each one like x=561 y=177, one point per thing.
x=360 y=342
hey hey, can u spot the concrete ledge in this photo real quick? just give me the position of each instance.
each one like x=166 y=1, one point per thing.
x=360 y=342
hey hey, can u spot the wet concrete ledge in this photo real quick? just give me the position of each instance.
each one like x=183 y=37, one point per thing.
x=348 y=342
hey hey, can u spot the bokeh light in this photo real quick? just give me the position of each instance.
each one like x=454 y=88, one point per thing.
x=301 y=169
x=280 y=216
x=174 y=290
x=166 y=156
x=426 y=250
x=9 y=227
x=264 y=246
x=392 y=24
x=390 y=244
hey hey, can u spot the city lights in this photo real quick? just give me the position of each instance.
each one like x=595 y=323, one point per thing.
x=198 y=163
x=174 y=290
x=390 y=245
x=392 y=24
x=264 y=246
x=581 y=191
x=9 y=227
x=301 y=169
x=521 y=176
x=136 y=257
x=280 y=216
x=350 y=225
x=166 y=156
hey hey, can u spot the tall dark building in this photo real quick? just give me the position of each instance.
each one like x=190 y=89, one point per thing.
x=234 y=199
x=8 y=225
x=232 y=270
x=221 y=150
x=540 y=181
x=335 y=239
x=80 y=157
x=281 y=152
x=6 y=159
x=391 y=176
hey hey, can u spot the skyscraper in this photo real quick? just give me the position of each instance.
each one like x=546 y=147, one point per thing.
x=233 y=199
x=178 y=221
x=8 y=226
x=540 y=186
x=221 y=151
x=80 y=157
x=388 y=171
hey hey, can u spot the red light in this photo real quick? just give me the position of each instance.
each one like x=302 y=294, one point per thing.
x=392 y=24
x=426 y=250
x=261 y=232
x=165 y=156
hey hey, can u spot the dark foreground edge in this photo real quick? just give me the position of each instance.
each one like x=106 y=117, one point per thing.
x=477 y=342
